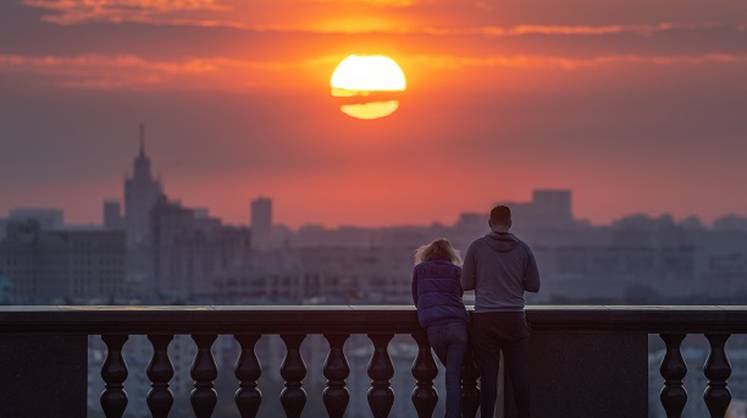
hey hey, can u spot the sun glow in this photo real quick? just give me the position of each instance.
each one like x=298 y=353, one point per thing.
x=358 y=77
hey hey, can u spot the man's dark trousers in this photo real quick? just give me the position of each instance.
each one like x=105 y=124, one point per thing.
x=493 y=332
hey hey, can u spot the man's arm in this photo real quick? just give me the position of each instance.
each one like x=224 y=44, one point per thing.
x=469 y=269
x=414 y=288
x=531 y=275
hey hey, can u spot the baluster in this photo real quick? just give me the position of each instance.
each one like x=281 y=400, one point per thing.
x=248 y=397
x=717 y=396
x=336 y=370
x=424 y=369
x=673 y=369
x=204 y=372
x=470 y=392
x=293 y=370
x=380 y=370
x=160 y=371
x=114 y=372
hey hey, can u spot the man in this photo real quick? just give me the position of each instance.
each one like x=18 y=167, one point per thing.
x=500 y=268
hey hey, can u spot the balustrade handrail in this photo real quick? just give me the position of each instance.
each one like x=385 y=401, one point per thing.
x=293 y=323
x=276 y=319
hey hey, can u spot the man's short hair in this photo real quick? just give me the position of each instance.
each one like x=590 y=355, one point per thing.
x=500 y=215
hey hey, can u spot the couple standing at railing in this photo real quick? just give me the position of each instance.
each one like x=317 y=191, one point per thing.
x=500 y=268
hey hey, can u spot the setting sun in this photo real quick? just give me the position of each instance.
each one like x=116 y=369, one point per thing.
x=367 y=84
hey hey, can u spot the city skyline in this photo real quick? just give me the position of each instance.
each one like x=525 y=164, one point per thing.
x=153 y=186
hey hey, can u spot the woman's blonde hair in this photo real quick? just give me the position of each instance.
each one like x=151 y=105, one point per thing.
x=440 y=249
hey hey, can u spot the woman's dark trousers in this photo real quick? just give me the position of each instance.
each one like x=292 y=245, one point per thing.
x=450 y=342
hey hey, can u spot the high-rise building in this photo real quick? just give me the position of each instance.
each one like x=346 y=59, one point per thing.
x=112 y=215
x=261 y=217
x=141 y=193
x=188 y=251
x=47 y=218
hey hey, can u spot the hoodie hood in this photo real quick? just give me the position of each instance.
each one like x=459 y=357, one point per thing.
x=501 y=242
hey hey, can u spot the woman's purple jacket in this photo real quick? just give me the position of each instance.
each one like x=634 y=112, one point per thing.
x=437 y=293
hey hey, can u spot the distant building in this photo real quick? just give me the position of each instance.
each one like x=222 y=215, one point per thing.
x=201 y=213
x=547 y=207
x=341 y=275
x=6 y=287
x=112 y=215
x=472 y=223
x=642 y=229
x=189 y=250
x=555 y=203
x=730 y=223
x=47 y=218
x=547 y=218
x=261 y=221
x=141 y=193
x=59 y=266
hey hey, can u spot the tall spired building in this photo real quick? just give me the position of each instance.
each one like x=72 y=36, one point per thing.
x=141 y=193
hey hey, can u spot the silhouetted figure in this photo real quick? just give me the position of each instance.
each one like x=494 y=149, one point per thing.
x=437 y=292
x=500 y=268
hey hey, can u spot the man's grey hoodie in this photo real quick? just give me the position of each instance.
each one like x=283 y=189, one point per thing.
x=500 y=267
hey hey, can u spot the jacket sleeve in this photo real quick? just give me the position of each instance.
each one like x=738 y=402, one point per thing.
x=459 y=279
x=531 y=273
x=469 y=269
x=415 y=287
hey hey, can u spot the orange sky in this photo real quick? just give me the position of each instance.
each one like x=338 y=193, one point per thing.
x=637 y=107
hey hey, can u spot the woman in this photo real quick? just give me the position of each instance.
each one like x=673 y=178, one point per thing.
x=437 y=292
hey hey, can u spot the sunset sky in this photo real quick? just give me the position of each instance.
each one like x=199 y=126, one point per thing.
x=638 y=106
